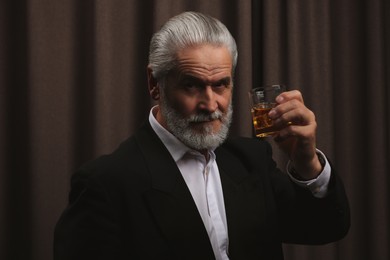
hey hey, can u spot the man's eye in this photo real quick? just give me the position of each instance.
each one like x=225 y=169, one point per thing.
x=190 y=85
x=220 y=85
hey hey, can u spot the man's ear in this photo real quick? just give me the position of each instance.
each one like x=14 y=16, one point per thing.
x=154 y=89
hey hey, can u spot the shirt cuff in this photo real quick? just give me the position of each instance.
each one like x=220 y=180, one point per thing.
x=319 y=185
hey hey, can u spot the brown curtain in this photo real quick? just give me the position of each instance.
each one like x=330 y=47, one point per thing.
x=73 y=86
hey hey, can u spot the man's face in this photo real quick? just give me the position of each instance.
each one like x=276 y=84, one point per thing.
x=196 y=98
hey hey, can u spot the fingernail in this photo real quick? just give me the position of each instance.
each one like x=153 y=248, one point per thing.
x=272 y=113
x=279 y=99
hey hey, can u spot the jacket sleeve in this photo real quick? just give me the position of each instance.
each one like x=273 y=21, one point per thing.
x=300 y=217
x=305 y=219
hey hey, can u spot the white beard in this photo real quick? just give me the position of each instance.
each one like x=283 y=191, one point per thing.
x=198 y=139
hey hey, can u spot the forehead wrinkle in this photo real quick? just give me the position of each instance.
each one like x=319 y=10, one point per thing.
x=203 y=71
x=205 y=62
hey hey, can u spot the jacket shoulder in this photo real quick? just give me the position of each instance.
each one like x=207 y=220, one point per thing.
x=118 y=160
x=124 y=165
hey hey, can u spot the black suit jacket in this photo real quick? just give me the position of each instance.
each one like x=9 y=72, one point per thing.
x=134 y=204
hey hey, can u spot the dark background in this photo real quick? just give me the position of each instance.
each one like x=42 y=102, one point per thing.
x=73 y=86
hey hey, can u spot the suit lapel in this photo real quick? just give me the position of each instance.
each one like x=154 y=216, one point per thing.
x=244 y=203
x=171 y=202
x=175 y=211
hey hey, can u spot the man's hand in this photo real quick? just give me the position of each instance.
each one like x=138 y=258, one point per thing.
x=297 y=136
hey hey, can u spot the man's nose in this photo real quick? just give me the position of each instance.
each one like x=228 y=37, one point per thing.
x=208 y=100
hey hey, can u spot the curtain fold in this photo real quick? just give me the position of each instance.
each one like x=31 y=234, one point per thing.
x=15 y=140
x=73 y=86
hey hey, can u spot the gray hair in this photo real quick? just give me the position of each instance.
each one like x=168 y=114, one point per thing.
x=185 y=30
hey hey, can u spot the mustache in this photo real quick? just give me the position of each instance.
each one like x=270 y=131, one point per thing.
x=205 y=117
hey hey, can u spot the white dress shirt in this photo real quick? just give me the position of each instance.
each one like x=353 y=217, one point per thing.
x=203 y=180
